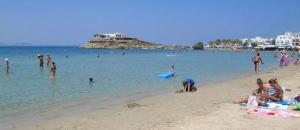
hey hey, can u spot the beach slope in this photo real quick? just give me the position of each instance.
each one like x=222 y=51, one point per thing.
x=209 y=108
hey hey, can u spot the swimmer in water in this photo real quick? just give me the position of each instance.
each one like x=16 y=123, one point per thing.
x=123 y=52
x=91 y=81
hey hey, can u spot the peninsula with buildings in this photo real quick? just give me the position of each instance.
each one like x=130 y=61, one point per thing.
x=120 y=41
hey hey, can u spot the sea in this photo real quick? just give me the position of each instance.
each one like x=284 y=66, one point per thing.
x=118 y=78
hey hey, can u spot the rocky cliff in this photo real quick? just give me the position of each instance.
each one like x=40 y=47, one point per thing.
x=126 y=44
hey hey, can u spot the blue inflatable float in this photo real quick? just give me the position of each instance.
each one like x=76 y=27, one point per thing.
x=168 y=74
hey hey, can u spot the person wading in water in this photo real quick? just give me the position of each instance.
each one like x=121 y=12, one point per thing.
x=256 y=59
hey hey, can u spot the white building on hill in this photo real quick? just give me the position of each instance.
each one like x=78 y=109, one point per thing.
x=289 y=39
x=109 y=35
x=260 y=41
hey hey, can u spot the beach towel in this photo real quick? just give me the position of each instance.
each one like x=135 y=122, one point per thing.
x=252 y=101
x=262 y=111
x=276 y=106
x=287 y=102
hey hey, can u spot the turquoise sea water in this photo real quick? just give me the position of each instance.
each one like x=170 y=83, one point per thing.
x=28 y=86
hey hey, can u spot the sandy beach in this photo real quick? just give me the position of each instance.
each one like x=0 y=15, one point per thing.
x=208 y=108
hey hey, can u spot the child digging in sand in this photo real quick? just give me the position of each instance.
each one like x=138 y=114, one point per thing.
x=188 y=85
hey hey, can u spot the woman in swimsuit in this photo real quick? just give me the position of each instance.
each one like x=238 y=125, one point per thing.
x=275 y=91
x=261 y=92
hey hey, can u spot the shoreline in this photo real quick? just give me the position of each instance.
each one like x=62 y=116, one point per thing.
x=86 y=105
x=163 y=106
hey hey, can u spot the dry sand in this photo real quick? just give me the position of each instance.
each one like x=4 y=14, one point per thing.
x=209 y=108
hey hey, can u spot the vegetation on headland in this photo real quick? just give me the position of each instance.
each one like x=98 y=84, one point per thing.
x=225 y=43
x=128 y=43
x=198 y=46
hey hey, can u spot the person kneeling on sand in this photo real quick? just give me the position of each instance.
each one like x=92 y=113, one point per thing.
x=261 y=94
x=188 y=85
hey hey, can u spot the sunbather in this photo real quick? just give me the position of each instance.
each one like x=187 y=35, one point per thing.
x=275 y=92
x=261 y=93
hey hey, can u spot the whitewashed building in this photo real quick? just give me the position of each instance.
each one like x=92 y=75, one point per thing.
x=109 y=35
x=260 y=41
x=288 y=39
x=246 y=41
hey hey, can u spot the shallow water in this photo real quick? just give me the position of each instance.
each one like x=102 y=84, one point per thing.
x=28 y=86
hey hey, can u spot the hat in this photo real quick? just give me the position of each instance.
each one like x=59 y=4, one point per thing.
x=6 y=59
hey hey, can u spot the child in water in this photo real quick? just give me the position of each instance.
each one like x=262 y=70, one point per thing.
x=173 y=68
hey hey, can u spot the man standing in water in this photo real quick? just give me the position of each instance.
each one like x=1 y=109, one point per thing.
x=256 y=59
x=6 y=65
x=53 y=70
x=40 y=59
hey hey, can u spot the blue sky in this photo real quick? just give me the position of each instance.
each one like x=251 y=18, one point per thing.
x=73 y=22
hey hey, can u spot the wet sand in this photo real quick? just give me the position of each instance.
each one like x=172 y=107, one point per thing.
x=208 y=108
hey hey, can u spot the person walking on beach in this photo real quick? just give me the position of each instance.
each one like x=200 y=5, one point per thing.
x=6 y=65
x=53 y=70
x=40 y=59
x=256 y=59
x=48 y=60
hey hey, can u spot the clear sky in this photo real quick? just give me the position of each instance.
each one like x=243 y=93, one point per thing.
x=73 y=22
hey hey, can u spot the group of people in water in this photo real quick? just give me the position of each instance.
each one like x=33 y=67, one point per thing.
x=271 y=92
x=40 y=57
x=49 y=63
x=285 y=59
